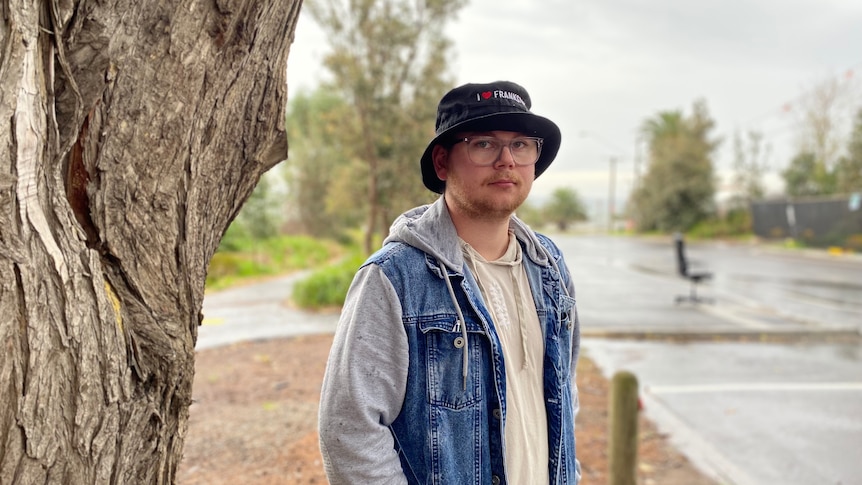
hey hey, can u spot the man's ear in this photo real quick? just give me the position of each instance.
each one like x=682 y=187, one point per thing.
x=440 y=158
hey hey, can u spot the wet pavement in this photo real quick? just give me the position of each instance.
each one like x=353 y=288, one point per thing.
x=258 y=311
x=785 y=406
x=751 y=413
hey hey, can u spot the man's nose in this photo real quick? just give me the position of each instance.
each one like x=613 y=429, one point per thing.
x=505 y=158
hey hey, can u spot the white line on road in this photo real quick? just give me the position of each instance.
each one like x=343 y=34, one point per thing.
x=756 y=387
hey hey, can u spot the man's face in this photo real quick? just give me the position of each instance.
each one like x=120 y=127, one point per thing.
x=483 y=192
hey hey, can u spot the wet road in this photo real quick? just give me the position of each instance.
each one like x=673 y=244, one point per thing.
x=258 y=311
x=631 y=283
x=747 y=413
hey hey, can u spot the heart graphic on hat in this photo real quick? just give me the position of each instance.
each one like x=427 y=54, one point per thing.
x=486 y=94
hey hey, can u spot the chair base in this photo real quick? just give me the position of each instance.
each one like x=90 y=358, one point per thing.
x=693 y=297
x=695 y=300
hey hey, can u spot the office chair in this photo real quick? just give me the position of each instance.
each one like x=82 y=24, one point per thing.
x=694 y=277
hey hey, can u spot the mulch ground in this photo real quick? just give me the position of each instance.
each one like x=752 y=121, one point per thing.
x=254 y=420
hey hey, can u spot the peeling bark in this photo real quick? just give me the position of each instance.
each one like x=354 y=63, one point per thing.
x=136 y=130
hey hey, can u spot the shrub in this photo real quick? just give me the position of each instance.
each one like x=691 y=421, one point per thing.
x=245 y=259
x=327 y=287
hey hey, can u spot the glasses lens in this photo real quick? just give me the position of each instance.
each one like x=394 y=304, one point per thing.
x=485 y=150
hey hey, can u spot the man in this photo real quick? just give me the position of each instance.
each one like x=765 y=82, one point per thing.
x=454 y=358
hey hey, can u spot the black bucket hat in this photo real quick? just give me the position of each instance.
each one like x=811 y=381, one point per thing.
x=501 y=105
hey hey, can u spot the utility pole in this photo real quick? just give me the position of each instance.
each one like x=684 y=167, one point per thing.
x=637 y=162
x=612 y=193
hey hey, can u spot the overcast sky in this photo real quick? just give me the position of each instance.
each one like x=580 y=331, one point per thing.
x=600 y=68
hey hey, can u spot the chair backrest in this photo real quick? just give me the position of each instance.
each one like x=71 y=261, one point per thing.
x=681 y=262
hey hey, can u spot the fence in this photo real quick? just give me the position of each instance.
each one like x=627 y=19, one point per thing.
x=821 y=222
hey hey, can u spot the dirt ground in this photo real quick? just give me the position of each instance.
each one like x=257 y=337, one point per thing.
x=254 y=420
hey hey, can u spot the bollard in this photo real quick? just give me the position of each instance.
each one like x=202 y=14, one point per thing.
x=623 y=429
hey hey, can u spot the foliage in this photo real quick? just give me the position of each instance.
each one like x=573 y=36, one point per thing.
x=259 y=218
x=318 y=171
x=735 y=223
x=805 y=177
x=848 y=170
x=808 y=175
x=531 y=214
x=820 y=165
x=327 y=287
x=387 y=61
x=749 y=165
x=678 y=188
x=564 y=208
x=250 y=258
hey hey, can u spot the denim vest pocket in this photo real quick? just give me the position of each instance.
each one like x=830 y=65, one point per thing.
x=565 y=330
x=445 y=347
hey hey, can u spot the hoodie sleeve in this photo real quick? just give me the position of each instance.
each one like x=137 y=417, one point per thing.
x=364 y=385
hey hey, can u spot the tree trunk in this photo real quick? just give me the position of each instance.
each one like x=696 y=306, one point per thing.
x=135 y=131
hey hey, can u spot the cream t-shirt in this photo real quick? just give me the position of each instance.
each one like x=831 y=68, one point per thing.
x=507 y=295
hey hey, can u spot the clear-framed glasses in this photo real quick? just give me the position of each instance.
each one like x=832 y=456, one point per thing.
x=486 y=150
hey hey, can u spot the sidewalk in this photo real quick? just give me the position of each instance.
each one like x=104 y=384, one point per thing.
x=258 y=311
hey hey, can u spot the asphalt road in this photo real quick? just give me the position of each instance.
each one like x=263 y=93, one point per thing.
x=787 y=412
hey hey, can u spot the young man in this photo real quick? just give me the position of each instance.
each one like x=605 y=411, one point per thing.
x=454 y=358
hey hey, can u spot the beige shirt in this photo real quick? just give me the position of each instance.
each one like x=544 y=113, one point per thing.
x=507 y=295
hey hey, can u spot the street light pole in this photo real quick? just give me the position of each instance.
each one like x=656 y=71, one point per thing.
x=612 y=193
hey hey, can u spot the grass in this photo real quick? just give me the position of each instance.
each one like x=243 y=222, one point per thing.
x=252 y=259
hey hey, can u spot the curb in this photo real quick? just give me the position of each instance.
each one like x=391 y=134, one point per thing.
x=721 y=334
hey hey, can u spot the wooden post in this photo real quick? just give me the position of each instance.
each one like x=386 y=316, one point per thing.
x=623 y=429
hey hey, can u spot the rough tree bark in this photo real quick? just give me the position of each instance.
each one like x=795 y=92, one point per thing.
x=134 y=132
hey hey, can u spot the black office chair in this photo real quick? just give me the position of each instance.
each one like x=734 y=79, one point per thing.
x=694 y=277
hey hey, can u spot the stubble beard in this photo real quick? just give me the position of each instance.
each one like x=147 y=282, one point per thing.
x=482 y=206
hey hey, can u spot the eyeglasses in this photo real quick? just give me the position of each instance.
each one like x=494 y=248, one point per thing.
x=485 y=150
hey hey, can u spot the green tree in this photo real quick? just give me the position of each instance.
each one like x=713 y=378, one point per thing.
x=818 y=167
x=321 y=164
x=806 y=177
x=678 y=188
x=531 y=214
x=565 y=207
x=749 y=166
x=848 y=171
x=388 y=61
x=260 y=218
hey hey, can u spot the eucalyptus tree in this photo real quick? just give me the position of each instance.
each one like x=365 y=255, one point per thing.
x=135 y=132
x=388 y=61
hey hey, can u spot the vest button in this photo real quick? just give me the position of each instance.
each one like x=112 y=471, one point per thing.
x=498 y=414
x=495 y=480
x=459 y=342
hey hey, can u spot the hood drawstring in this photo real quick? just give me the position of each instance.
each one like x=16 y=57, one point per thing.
x=460 y=323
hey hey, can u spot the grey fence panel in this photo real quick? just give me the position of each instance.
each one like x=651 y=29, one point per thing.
x=821 y=222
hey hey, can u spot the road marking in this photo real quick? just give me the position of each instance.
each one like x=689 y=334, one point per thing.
x=757 y=387
x=212 y=321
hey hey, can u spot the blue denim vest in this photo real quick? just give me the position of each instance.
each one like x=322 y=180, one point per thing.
x=449 y=432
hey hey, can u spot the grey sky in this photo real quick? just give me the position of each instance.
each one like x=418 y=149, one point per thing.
x=599 y=68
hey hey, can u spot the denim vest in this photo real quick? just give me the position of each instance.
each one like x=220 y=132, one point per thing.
x=449 y=431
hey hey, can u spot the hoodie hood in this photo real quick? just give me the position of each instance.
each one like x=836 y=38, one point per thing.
x=429 y=228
